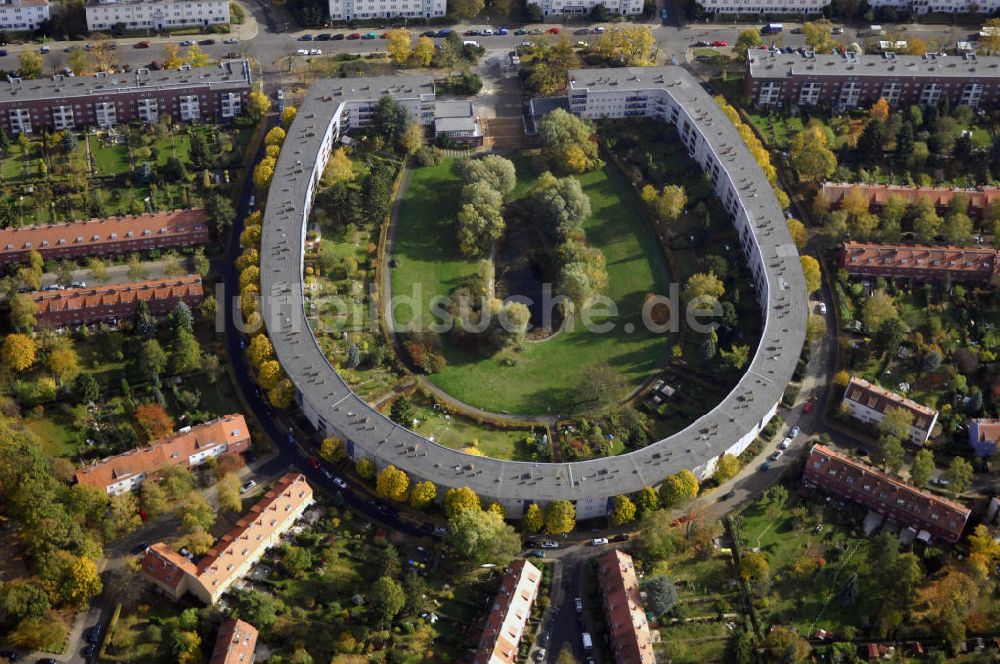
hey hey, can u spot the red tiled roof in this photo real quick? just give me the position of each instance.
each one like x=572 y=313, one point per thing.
x=167 y=288
x=623 y=611
x=235 y=644
x=101 y=230
x=880 y=399
x=510 y=613
x=166 y=565
x=229 y=429
x=850 y=478
x=979 y=262
x=878 y=194
x=988 y=429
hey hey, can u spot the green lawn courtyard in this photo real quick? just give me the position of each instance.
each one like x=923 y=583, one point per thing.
x=547 y=374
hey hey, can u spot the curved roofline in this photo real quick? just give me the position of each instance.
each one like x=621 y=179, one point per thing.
x=332 y=107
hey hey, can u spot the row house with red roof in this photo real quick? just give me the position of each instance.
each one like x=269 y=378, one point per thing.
x=921 y=262
x=111 y=236
x=191 y=446
x=236 y=643
x=509 y=614
x=869 y=403
x=212 y=575
x=631 y=638
x=848 y=478
x=79 y=306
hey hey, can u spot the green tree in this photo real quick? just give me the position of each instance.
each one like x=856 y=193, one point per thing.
x=922 y=467
x=402 y=411
x=195 y=514
x=810 y=155
x=22 y=313
x=387 y=599
x=228 y=489
x=896 y=422
x=365 y=468
x=152 y=359
x=466 y=8
x=661 y=594
x=482 y=537
x=879 y=308
x=31 y=65
x=257 y=608
x=123 y=516
x=423 y=494
x=25 y=599
x=726 y=468
x=176 y=481
x=186 y=355
x=567 y=142
x=153 y=499
x=560 y=517
x=891 y=454
x=959 y=476
x=296 y=561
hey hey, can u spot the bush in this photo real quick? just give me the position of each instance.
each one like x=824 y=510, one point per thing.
x=427 y=156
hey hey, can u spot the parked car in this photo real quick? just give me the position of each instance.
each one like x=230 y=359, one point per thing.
x=537 y=554
x=429 y=33
x=550 y=544
x=369 y=35
x=785 y=443
x=306 y=37
x=443 y=32
x=620 y=538
x=206 y=42
x=720 y=42
x=776 y=455
x=727 y=496
x=520 y=31
x=794 y=431
x=807 y=407
x=301 y=51
x=471 y=33
x=701 y=43
x=315 y=51
x=248 y=486
x=540 y=655
x=231 y=40
x=821 y=308
x=338 y=37
x=553 y=31
x=836 y=30
x=142 y=44
x=578 y=603
x=79 y=284
x=339 y=481
x=599 y=541
x=503 y=32
x=186 y=42
x=354 y=35
x=46 y=49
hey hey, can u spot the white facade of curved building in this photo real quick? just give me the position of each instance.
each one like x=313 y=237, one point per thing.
x=670 y=93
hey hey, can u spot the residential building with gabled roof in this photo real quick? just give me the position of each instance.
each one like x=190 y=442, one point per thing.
x=212 y=575
x=631 y=638
x=509 y=614
x=77 y=306
x=191 y=446
x=869 y=403
x=235 y=644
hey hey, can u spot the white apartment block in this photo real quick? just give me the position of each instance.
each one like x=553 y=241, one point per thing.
x=583 y=7
x=868 y=403
x=23 y=15
x=764 y=6
x=943 y=6
x=349 y=10
x=155 y=14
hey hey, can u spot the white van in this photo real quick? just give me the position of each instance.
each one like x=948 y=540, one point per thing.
x=876 y=30
x=588 y=643
x=474 y=44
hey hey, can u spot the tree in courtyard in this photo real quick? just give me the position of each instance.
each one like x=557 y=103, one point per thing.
x=959 y=476
x=810 y=270
x=402 y=411
x=747 y=39
x=818 y=37
x=177 y=481
x=661 y=594
x=459 y=499
x=423 y=494
x=195 y=514
x=22 y=313
x=197 y=57
x=667 y=204
x=704 y=289
x=123 y=515
x=387 y=598
x=153 y=422
x=392 y=483
x=926 y=222
x=890 y=454
x=623 y=511
x=754 y=566
x=922 y=467
x=810 y=154
x=878 y=309
x=258 y=608
x=533 y=519
x=333 y=449
x=296 y=561
x=25 y=599
x=423 y=52
x=229 y=493
x=152 y=499
x=482 y=537
x=896 y=422
x=678 y=488
x=18 y=352
x=560 y=517
x=70 y=579
x=567 y=142
x=879 y=110
x=186 y=355
x=389 y=119
x=220 y=213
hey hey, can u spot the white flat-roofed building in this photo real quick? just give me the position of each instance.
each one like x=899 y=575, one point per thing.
x=155 y=14
x=23 y=14
x=763 y=6
x=350 y=10
x=580 y=7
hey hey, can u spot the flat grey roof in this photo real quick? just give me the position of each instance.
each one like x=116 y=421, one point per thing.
x=741 y=411
x=230 y=74
x=770 y=64
x=454 y=124
x=453 y=109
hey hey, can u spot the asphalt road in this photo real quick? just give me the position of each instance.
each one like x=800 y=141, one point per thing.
x=271 y=48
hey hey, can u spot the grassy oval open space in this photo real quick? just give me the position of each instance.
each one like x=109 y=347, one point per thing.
x=548 y=376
